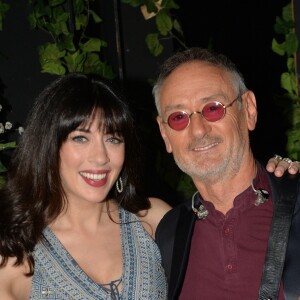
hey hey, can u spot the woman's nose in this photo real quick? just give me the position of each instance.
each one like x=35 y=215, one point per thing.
x=98 y=153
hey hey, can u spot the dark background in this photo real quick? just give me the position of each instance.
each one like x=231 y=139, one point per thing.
x=243 y=30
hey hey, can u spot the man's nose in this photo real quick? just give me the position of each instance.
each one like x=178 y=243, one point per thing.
x=198 y=125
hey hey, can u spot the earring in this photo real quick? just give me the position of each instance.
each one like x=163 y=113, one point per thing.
x=119 y=185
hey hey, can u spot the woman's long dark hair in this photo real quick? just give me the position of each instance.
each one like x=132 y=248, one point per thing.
x=33 y=196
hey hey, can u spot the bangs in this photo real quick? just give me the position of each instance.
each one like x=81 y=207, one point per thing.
x=108 y=120
x=86 y=101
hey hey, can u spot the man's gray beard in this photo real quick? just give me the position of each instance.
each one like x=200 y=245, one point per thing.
x=208 y=173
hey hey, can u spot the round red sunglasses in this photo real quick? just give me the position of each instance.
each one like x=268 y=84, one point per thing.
x=211 y=112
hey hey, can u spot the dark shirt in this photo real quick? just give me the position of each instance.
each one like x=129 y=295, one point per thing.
x=228 y=251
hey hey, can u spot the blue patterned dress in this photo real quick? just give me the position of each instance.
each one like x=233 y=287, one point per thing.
x=58 y=276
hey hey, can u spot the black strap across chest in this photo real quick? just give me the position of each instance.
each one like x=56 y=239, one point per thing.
x=284 y=195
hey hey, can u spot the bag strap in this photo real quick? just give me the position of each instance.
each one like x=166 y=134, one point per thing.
x=284 y=194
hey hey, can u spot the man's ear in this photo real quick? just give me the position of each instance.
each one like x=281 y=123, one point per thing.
x=250 y=109
x=164 y=134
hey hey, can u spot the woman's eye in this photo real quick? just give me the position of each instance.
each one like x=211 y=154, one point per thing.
x=115 y=140
x=79 y=139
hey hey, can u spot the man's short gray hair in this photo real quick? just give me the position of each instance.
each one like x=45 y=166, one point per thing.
x=202 y=55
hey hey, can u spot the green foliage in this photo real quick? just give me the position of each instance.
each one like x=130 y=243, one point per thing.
x=4 y=146
x=71 y=49
x=285 y=27
x=4 y=7
x=167 y=25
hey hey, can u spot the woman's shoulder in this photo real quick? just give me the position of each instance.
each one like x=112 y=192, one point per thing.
x=152 y=216
x=14 y=284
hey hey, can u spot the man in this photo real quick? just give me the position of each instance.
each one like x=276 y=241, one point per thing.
x=229 y=241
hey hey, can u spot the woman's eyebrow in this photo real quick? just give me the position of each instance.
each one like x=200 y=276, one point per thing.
x=85 y=130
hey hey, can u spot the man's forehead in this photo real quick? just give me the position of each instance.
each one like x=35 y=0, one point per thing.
x=196 y=72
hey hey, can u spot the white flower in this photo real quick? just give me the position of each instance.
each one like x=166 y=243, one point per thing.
x=20 y=130
x=1 y=128
x=8 y=125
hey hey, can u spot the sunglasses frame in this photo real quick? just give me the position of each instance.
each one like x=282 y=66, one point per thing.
x=200 y=112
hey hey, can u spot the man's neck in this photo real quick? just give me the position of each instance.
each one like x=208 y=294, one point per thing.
x=221 y=193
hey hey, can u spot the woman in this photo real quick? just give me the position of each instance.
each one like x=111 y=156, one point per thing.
x=74 y=224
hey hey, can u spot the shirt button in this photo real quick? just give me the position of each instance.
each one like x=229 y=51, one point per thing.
x=229 y=267
x=226 y=231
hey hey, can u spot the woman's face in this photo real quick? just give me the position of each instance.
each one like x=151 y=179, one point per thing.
x=90 y=163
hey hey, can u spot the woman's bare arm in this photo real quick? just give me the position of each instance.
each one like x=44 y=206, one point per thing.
x=153 y=215
x=14 y=284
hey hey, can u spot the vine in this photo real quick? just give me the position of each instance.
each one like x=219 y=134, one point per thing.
x=71 y=49
x=4 y=7
x=166 y=24
x=285 y=26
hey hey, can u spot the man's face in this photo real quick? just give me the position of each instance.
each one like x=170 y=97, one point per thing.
x=206 y=150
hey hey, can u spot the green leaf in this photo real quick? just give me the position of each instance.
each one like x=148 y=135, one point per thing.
x=53 y=67
x=68 y=43
x=2 y=168
x=32 y=21
x=92 y=44
x=75 y=61
x=59 y=15
x=278 y=48
x=287 y=13
x=95 y=17
x=288 y=82
x=50 y=51
x=78 y=6
x=291 y=44
x=81 y=21
x=169 y=4
x=282 y=27
x=105 y=71
x=50 y=56
x=293 y=143
x=151 y=7
x=177 y=27
x=92 y=59
x=134 y=3
x=93 y=65
x=290 y=64
x=154 y=46
x=163 y=22
x=56 y=2
x=296 y=114
x=9 y=145
x=58 y=24
x=41 y=11
x=4 y=7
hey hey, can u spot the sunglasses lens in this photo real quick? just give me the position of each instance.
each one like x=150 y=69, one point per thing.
x=213 y=111
x=178 y=120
